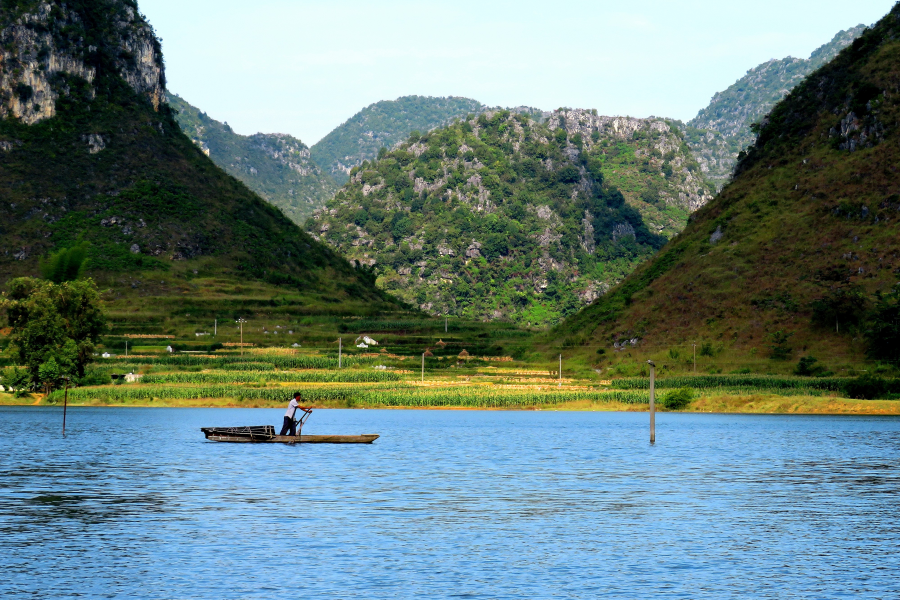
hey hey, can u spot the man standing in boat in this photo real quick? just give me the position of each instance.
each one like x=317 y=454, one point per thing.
x=289 y=424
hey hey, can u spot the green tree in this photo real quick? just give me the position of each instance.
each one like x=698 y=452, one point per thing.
x=779 y=345
x=54 y=327
x=67 y=264
x=845 y=305
x=883 y=332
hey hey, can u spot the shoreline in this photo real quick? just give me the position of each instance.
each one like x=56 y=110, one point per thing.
x=714 y=404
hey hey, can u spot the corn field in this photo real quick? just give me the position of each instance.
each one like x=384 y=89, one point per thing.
x=756 y=383
x=237 y=363
x=248 y=376
x=397 y=395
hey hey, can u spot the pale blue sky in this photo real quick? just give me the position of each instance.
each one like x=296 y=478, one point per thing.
x=304 y=66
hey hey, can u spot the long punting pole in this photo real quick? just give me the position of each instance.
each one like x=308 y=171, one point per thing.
x=652 y=402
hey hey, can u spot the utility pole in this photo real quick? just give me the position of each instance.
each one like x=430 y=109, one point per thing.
x=340 y=351
x=652 y=401
x=241 y=322
x=560 y=370
x=695 y=357
x=423 y=367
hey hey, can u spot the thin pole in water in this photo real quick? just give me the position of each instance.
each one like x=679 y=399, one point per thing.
x=65 y=406
x=652 y=401
x=423 y=367
x=560 y=370
x=340 y=351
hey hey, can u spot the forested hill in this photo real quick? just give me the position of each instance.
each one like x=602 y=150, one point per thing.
x=90 y=151
x=382 y=125
x=274 y=165
x=502 y=217
x=722 y=129
x=789 y=258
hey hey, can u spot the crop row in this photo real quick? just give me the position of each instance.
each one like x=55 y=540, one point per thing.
x=755 y=382
x=243 y=376
x=238 y=363
x=349 y=395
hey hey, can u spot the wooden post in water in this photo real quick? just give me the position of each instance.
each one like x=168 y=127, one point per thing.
x=65 y=406
x=340 y=351
x=652 y=401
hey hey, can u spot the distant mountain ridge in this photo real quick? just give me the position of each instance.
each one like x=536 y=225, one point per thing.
x=90 y=151
x=383 y=125
x=722 y=129
x=502 y=216
x=790 y=256
x=276 y=166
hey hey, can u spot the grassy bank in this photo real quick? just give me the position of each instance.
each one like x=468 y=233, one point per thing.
x=599 y=401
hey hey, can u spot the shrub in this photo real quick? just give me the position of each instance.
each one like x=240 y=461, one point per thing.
x=807 y=367
x=866 y=387
x=779 y=348
x=883 y=333
x=678 y=399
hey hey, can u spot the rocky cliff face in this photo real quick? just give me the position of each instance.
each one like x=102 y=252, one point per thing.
x=646 y=159
x=721 y=130
x=48 y=49
x=90 y=151
x=499 y=216
x=276 y=166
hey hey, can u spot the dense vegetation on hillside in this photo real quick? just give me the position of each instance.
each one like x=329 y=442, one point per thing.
x=274 y=165
x=382 y=125
x=498 y=216
x=791 y=257
x=722 y=129
x=105 y=163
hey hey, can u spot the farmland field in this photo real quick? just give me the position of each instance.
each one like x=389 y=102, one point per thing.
x=412 y=364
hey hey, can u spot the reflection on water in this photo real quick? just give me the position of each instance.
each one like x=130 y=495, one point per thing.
x=134 y=502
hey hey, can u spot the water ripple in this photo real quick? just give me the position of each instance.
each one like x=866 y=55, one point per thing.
x=458 y=504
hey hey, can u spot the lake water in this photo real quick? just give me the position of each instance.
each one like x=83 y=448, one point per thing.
x=136 y=503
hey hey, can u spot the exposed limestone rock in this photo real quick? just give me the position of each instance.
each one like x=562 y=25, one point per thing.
x=95 y=142
x=32 y=60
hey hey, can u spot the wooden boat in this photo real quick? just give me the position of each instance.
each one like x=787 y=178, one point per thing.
x=266 y=434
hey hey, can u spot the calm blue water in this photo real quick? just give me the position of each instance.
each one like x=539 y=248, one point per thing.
x=135 y=503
